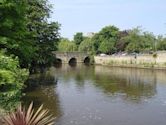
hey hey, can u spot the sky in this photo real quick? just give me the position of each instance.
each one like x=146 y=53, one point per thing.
x=92 y=15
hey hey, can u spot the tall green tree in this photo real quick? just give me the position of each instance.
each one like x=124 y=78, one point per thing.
x=121 y=44
x=161 y=43
x=65 y=45
x=107 y=46
x=78 y=38
x=139 y=41
x=12 y=18
x=13 y=28
x=44 y=35
x=26 y=32
x=87 y=45
x=102 y=39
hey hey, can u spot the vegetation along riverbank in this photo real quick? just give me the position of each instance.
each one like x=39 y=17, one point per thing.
x=27 y=40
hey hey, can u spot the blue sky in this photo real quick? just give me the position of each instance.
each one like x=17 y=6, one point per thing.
x=92 y=15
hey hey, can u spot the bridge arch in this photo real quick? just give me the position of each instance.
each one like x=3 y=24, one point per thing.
x=58 y=60
x=87 y=60
x=72 y=60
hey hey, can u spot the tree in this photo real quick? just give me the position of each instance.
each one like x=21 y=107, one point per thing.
x=101 y=39
x=66 y=45
x=121 y=44
x=138 y=41
x=44 y=35
x=149 y=41
x=161 y=44
x=87 y=45
x=78 y=38
x=12 y=34
x=13 y=29
x=11 y=18
x=109 y=32
x=96 y=42
x=107 y=46
x=26 y=33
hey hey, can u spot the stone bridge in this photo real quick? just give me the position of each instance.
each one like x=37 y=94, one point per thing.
x=72 y=57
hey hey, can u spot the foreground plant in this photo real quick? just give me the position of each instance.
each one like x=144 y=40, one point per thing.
x=29 y=117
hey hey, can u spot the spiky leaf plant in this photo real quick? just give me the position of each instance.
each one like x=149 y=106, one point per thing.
x=29 y=117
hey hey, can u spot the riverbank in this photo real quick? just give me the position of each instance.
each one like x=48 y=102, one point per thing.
x=134 y=61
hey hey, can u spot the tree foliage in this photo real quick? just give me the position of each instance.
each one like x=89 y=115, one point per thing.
x=121 y=44
x=12 y=79
x=87 y=45
x=66 y=45
x=161 y=43
x=107 y=36
x=107 y=46
x=78 y=38
x=26 y=32
x=27 y=35
x=45 y=36
x=139 y=42
x=12 y=27
x=110 y=40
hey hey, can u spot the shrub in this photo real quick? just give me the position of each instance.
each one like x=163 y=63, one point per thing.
x=12 y=79
x=28 y=117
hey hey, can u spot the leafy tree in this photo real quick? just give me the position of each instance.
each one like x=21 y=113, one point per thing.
x=87 y=45
x=26 y=35
x=11 y=18
x=66 y=45
x=121 y=44
x=107 y=34
x=78 y=38
x=161 y=45
x=12 y=39
x=96 y=42
x=149 y=41
x=138 y=41
x=13 y=29
x=107 y=46
x=44 y=35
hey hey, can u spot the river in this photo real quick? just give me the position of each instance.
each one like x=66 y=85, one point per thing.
x=98 y=95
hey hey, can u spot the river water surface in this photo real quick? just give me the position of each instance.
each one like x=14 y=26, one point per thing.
x=97 y=95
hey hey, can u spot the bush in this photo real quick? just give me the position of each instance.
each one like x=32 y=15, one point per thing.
x=10 y=72
x=12 y=79
x=29 y=117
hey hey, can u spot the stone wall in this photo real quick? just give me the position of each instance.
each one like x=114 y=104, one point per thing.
x=141 y=60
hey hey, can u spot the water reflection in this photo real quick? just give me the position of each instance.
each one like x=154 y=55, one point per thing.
x=87 y=95
x=130 y=83
x=42 y=90
x=79 y=73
